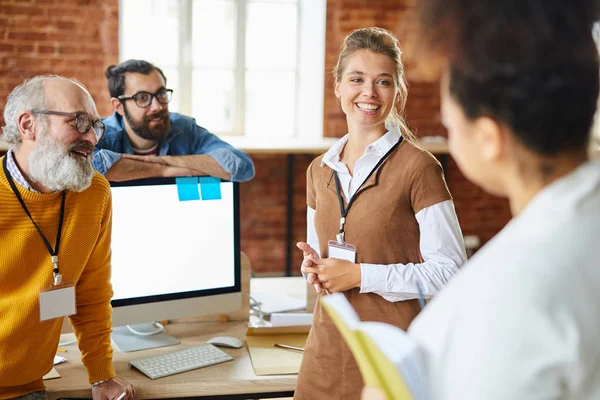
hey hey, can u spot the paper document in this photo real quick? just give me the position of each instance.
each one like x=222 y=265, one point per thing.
x=53 y=374
x=387 y=357
x=58 y=359
x=275 y=302
x=270 y=360
x=291 y=319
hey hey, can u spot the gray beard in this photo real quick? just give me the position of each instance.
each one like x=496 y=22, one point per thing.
x=52 y=165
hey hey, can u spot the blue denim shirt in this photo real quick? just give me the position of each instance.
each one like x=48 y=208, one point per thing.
x=185 y=138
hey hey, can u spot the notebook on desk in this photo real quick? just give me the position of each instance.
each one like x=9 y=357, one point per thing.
x=270 y=360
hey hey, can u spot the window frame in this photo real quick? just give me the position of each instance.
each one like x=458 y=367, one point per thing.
x=310 y=67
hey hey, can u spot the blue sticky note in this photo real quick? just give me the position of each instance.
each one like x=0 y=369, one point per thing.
x=187 y=188
x=210 y=188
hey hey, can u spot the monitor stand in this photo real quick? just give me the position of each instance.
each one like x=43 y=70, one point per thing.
x=127 y=341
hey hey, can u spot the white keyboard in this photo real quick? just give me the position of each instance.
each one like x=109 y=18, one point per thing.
x=180 y=361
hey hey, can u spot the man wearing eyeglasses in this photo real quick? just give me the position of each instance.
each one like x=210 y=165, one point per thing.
x=143 y=139
x=54 y=239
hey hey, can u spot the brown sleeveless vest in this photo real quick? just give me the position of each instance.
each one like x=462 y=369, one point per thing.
x=382 y=226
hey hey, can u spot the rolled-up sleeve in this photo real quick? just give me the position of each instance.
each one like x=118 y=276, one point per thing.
x=104 y=160
x=233 y=161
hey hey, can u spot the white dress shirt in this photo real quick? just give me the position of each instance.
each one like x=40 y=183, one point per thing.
x=441 y=244
x=521 y=320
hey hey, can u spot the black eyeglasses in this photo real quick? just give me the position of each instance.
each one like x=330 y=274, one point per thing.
x=83 y=122
x=144 y=99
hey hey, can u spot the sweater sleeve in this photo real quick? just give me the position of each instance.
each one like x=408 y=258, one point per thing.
x=92 y=323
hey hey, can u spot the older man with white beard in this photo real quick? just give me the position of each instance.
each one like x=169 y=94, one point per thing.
x=55 y=234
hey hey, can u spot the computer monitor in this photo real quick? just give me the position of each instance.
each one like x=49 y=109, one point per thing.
x=171 y=257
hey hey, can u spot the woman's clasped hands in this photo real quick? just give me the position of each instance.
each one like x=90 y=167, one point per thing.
x=328 y=274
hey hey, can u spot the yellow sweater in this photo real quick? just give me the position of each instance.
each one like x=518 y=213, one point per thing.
x=28 y=346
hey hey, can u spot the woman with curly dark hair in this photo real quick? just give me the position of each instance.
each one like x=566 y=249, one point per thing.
x=519 y=93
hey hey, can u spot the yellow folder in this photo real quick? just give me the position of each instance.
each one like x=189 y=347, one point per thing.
x=376 y=368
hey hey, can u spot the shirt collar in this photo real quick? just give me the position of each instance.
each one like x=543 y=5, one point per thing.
x=333 y=154
x=15 y=172
x=377 y=148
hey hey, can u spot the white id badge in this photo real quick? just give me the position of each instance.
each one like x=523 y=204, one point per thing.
x=57 y=303
x=345 y=251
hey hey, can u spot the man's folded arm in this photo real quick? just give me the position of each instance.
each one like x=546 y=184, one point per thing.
x=127 y=169
x=232 y=161
x=202 y=164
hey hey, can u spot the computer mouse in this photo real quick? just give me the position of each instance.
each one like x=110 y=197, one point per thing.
x=226 y=341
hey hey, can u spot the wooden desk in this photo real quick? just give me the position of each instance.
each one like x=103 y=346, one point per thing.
x=231 y=380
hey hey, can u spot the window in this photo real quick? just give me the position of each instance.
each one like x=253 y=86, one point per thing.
x=595 y=142
x=240 y=67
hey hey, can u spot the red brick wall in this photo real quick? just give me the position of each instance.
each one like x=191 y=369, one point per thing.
x=264 y=210
x=75 y=38
x=344 y=16
x=79 y=38
x=479 y=213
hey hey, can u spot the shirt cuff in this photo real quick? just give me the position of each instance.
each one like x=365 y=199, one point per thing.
x=373 y=279
x=239 y=168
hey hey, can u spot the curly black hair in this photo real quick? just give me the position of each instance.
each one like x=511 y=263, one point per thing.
x=532 y=65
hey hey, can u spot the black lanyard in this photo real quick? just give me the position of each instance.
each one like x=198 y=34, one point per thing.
x=53 y=252
x=344 y=210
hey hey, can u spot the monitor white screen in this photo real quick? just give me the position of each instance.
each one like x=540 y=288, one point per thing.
x=165 y=249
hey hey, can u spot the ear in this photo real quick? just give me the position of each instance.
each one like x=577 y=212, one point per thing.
x=27 y=125
x=117 y=106
x=490 y=138
x=336 y=90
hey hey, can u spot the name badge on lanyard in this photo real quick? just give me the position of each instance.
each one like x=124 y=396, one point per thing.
x=57 y=302
x=342 y=251
x=339 y=248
